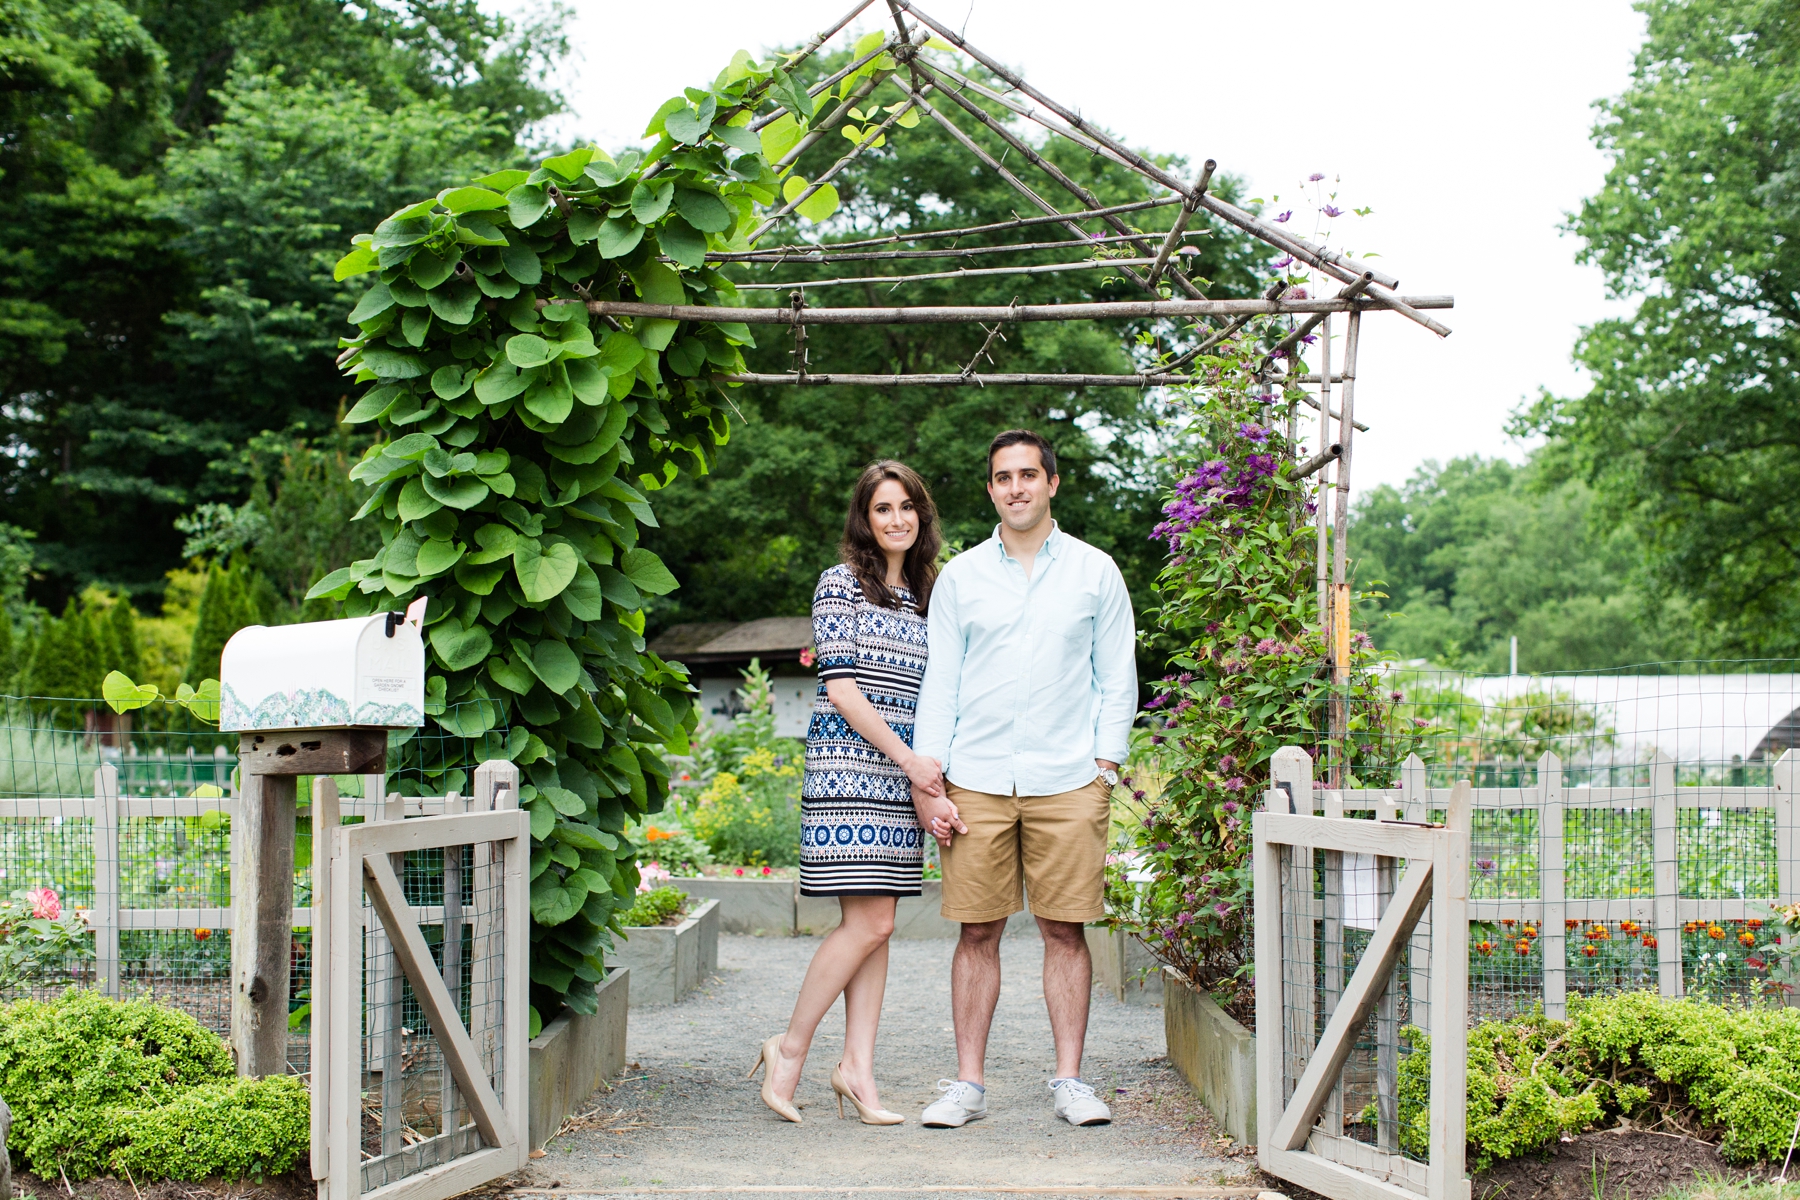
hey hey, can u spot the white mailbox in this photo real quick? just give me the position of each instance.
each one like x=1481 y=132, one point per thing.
x=321 y=674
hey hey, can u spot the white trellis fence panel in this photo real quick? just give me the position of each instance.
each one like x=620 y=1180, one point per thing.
x=1360 y=939
x=420 y=1011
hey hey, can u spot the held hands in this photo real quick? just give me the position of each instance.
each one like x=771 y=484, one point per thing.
x=925 y=773
x=936 y=813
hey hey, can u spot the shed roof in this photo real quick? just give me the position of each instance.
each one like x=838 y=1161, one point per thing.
x=778 y=639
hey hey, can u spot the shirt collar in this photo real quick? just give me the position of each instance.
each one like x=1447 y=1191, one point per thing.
x=1052 y=545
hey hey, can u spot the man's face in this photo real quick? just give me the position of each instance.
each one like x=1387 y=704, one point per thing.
x=1018 y=487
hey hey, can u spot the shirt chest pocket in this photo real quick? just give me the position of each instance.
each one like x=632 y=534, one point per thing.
x=1068 y=620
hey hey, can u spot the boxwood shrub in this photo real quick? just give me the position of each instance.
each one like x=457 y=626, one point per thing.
x=99 y=1085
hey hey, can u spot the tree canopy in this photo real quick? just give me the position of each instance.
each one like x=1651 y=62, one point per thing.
x=1690 y=434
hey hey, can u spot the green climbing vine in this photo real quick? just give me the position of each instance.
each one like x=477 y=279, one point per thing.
x=521 y=440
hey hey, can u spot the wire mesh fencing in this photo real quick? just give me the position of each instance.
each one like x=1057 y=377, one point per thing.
x=125 y=820
x=1632 y=829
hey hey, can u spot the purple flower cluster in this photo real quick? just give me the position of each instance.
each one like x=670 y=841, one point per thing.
x=1215 y=488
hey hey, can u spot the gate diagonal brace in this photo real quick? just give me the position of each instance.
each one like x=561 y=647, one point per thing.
x=440 y=1008
x=1372 y=977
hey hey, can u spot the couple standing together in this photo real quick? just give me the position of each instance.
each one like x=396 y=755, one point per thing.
x=987 y=707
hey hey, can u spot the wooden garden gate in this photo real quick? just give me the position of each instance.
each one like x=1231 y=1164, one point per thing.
x=1361 y=930
x=419 y=1062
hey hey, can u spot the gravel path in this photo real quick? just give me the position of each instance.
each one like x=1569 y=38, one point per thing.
x=683 y=1116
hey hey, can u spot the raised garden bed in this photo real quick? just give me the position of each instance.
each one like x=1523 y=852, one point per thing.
x=1123 y=967
x=1215 y=1054
x=753 y=905
x=669 y=961
x=575 y=1053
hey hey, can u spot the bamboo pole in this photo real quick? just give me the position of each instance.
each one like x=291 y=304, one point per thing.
x=805 y=52
x=934 y=234
x=1318 y=461
x=824 y=85
x=1181 y=223
x=1273 y=293
x=963 y=273
x=975 y=380
x=1130 y=158
x=1026 y=151
x=1340 y=559
x=1019 y=185
x=1321 y=510
x=1287 y=344
x=867 y=140
x=832 y=119
x=950 y=314
x=818 y=255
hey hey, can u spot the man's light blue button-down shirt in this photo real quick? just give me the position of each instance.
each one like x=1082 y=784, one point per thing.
x=1029 y=679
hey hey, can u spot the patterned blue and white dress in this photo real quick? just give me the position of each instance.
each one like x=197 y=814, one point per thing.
x=859 y=835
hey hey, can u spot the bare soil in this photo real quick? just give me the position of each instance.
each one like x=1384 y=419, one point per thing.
x=295 y=1185
x=1624 y=1165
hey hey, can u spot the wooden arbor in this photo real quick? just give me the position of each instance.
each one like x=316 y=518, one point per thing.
x=1059 y=213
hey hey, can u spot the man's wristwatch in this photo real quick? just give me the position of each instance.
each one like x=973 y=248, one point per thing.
x=1111 y=776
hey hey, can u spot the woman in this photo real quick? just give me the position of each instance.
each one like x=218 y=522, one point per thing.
x=860 y=839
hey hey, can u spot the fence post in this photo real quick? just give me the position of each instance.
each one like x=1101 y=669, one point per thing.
x=1293 y=767
x=1667 y=876
x=496 y=787
x=1416 y=797
x=106 y=877
x=1553 y=937
x=324 y=819
x=1450 y=1003
x=1787 y=827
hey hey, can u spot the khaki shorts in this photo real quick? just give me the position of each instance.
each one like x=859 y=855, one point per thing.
x=1054 y=845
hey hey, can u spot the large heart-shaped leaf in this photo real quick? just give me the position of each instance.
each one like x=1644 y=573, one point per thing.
x=564 y=801
x=415 y=501
x=388 y=363
x=458 y=648
x=496 y=542
x=552 y=905
x=525 y=204
x=499 y=383
x=436 y=556
x=429 y=270
x=548 y=403
x=618 y=236
x=522 y=264
x=544 y=571
x=650 y=200
x=682 y=242
x=620 y=353
x=122 y=695
x=478 y=579
x=556 y=664
x=511 y=674
x=703 y=210
x=647 y=572
x=374 y=302
x=470 y=199
x=461 y=492
x=582 y=597
x=528 y=350
x=456 y=303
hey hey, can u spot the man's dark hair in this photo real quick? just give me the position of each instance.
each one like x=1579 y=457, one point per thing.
x=1024 y=437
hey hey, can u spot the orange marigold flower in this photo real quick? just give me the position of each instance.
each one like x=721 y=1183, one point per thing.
x=1753 y=923
x=1747 y=938
x=1570 y=923
x=1508 y=922
x=1590 y=951
x=201 y=934
x=1691 y=927
x=1530 y=931
x=1628 y=926
x=1715 y=932
x=1649 y=941
x=1485 y=947
x=1523 y=946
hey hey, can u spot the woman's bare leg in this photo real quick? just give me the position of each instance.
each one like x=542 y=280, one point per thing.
x=867 y=924
x=862 y=1016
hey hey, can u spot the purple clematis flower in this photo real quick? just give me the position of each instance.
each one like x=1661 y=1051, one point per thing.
x=1332 y=210
x=1314 y=177
x=1284 y=216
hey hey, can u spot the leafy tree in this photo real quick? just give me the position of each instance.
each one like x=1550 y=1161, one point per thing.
x=1476 y=551
x=236 y=595
x=750 y=538
x=157 y=310
x=1690 y=433
x=65 y=658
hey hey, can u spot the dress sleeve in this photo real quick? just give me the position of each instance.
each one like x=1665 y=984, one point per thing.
x=834 y=624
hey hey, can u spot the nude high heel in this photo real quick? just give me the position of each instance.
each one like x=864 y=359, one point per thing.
x=766 y=1063
x=870 y=1116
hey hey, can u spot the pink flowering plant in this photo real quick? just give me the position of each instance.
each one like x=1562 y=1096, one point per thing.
x=41 y=940
x=1248 y=675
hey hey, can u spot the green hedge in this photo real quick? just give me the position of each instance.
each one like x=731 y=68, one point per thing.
x=97 y=1086
x=1726 y=1073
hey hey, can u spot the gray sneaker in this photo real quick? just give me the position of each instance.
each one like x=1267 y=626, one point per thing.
x=1077 y=1104
x=960 y=1104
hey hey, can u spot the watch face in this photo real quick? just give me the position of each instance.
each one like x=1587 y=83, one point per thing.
x=1111 y=777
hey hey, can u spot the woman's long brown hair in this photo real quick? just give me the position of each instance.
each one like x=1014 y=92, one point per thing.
x=862 y=553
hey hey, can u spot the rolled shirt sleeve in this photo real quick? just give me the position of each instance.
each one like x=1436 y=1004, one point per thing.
x=1115 y=668
x=935 y=726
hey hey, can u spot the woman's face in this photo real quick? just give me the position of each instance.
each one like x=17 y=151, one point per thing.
x=892 y=517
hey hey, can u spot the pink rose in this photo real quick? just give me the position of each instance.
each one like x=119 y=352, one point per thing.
x=44 y=904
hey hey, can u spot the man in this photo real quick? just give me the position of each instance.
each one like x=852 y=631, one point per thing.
x=1027 y=702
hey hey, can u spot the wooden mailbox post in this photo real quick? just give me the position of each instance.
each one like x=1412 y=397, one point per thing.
x=262 y=899
x=316 y=698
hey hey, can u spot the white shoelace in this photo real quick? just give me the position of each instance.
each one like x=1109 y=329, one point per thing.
x=1075 y=1088
x=955 y=1088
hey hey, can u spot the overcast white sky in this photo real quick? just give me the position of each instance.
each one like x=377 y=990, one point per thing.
x=1465 y=127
